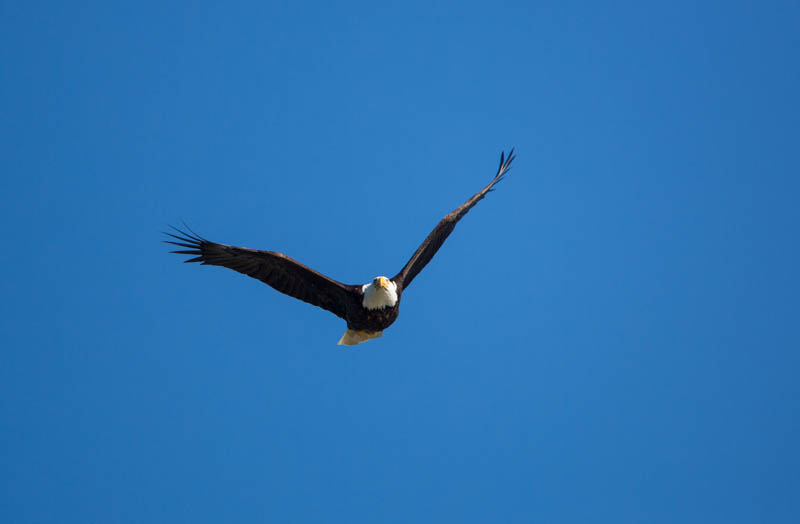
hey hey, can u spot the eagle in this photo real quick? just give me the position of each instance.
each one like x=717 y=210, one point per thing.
x=369 y=308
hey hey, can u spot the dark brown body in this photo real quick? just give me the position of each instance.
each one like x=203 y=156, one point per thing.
x=360 y=318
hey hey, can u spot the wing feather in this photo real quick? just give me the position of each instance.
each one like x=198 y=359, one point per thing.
x=275 y=269
x=436 y=238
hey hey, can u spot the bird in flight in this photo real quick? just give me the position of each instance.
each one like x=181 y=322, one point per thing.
x=369 y=308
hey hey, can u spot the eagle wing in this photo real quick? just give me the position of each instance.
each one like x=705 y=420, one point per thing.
x=434 y=241
x=275 y=269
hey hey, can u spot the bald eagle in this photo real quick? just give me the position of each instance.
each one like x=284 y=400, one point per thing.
x=368 y=309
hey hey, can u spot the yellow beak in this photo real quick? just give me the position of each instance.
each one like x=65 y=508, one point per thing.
x=383 y=282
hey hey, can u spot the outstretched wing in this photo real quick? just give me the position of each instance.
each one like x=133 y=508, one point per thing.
x=275 y=269
x=434 y=241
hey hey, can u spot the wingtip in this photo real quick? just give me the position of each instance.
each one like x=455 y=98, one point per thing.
x=511 y=156
x=199 y=237
x=505 y=164
x=190 y=240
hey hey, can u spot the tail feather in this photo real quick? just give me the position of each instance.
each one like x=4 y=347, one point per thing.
x=352 y=337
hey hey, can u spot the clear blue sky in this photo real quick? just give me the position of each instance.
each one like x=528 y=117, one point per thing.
x=611 y=336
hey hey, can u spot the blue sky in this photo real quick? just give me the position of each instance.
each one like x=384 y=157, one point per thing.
x=612 y=336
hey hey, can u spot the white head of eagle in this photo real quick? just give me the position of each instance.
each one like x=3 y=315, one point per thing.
x=379 y=293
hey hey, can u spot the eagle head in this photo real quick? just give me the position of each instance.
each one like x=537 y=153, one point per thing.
x=380 y=293
x=381 y=282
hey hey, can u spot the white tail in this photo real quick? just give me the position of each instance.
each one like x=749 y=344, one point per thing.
x=352 y=337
